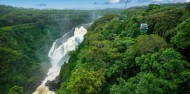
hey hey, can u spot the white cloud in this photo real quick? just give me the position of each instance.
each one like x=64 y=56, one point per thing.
x=157 y=0
x=118 y=1
x=114 y=1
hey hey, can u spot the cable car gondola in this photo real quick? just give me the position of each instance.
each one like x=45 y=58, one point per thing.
x=144 y=27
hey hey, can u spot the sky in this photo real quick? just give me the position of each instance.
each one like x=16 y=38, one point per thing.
x=82 y=4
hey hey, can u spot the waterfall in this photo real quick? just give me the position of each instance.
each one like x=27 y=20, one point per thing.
x=58 y=51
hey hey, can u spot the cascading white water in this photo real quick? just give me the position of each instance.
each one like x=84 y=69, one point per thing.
x=56 y=53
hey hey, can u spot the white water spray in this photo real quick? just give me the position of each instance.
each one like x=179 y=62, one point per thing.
x=56 y=53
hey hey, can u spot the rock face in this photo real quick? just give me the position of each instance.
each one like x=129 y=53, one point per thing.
x=43 y=90
x=54 y=85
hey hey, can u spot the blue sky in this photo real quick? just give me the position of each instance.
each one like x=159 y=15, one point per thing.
x=81 y=4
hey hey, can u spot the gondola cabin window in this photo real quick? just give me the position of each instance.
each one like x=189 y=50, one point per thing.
x=144 y=27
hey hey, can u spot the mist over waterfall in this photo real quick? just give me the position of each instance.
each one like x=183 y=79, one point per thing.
x=59 y=52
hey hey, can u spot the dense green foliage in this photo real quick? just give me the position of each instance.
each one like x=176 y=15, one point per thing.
x=26 y=36
x=117 y=58
x=182 y=39
x=16 y=90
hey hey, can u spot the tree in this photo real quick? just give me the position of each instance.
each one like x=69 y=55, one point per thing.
x=182 y=39
x=152 y=7
x=143 y=83
x=86 y=82
x=134 y=31
x=169 y=65
x=165 y=63
x=16 y=90
x=121 y=88
x=188 y=7
x=150 y=43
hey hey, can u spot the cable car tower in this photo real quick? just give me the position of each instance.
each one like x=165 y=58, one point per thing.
x=126 y=3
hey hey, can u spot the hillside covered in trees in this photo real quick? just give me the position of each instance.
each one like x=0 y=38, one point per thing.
x=26 y=36
x=116 y=58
